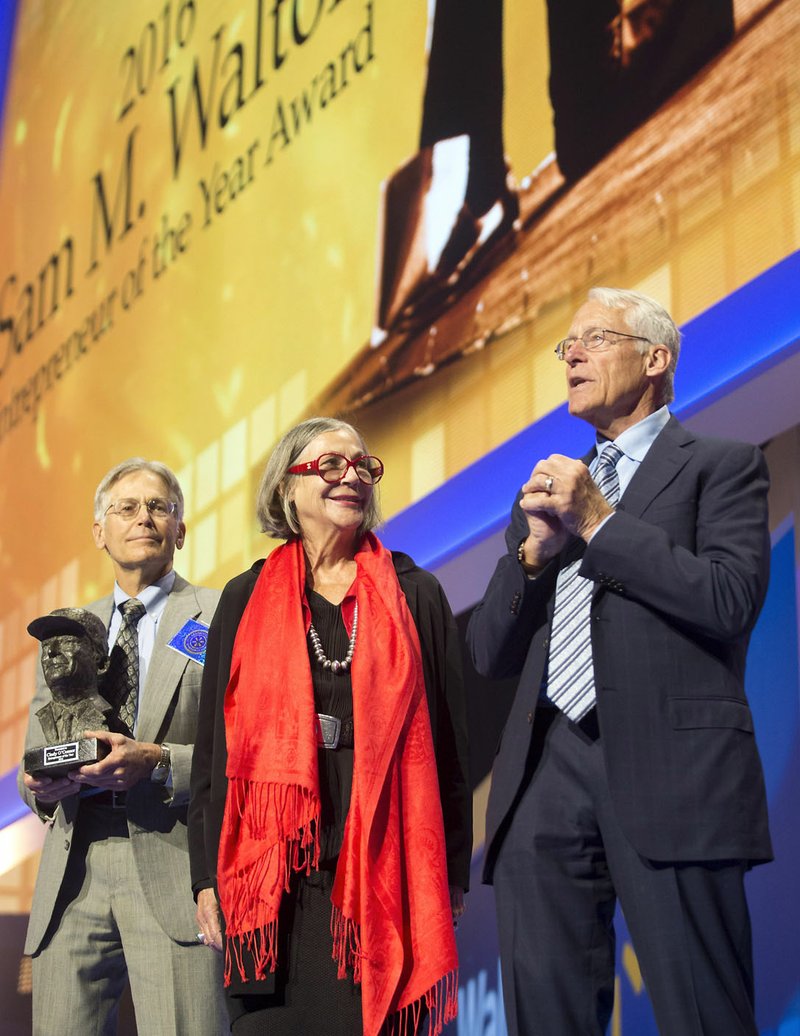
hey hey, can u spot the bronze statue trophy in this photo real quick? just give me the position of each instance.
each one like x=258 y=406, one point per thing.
x=74 y=660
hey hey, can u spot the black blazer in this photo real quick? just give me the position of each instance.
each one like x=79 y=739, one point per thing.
x=681 y=572
x=441 y=661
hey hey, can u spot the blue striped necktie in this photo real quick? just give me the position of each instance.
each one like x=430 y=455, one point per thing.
x=570 y=671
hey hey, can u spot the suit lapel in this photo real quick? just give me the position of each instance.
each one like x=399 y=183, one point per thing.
x=664 y=460
x=103 y=609
x=166 y=665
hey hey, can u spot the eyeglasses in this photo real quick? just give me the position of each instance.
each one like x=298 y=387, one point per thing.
x=593 y=340
x=332 y=467
x=128 y=508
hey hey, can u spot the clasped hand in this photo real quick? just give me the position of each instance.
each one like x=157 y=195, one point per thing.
x=559 y=500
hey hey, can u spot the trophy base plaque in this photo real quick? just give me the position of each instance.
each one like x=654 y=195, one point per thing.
x=58 y=760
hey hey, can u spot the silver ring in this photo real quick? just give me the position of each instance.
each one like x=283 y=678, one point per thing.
x=548 y=484
x=200 y=937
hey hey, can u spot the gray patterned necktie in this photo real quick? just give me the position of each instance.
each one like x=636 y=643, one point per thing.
x=570 y=671
x=123 y=674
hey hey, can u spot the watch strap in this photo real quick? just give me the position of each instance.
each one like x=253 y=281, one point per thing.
x=160 y=771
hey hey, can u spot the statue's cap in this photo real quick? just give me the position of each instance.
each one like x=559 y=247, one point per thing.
x=77 y=621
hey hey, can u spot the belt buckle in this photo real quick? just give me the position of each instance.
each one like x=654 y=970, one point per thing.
x=118 y=799
x=329 y=729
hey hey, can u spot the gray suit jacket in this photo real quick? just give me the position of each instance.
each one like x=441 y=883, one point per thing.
x=156 y=815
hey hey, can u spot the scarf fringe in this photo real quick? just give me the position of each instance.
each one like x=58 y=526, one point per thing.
x=261 y=945
x=347 y=950
x=264 y=809
x=441 y=1002
x=276 y=811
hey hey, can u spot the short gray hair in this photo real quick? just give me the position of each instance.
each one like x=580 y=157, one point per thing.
x=646 y=317
x=276 y=512
x=128 y=467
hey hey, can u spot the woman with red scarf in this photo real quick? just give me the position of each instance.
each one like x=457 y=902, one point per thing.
x=331 y=810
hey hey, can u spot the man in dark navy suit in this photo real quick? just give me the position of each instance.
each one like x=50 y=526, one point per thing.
x=628 y=767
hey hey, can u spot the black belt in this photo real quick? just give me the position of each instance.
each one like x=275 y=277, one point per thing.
x=333 y=732
x=108 y=799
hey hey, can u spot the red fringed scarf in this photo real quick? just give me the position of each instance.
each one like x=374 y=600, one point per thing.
x=391 y=920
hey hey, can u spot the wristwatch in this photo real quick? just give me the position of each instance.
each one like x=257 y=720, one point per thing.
x=529 y=570
x=160 y=771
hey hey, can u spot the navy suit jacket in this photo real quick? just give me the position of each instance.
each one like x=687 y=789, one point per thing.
x=681 y=572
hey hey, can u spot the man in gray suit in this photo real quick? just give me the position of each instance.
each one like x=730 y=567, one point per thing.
x=113 y=895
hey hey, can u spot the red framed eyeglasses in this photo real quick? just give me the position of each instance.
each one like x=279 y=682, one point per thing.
x=332 y=467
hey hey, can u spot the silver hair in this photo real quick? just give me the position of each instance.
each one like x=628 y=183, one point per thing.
x=128 y=467
x=646 y=317
x=275 y=511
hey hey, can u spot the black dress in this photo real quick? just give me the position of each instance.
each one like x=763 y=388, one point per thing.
x=305 y=995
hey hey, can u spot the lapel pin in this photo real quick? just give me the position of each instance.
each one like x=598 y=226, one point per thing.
x=191 y=640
